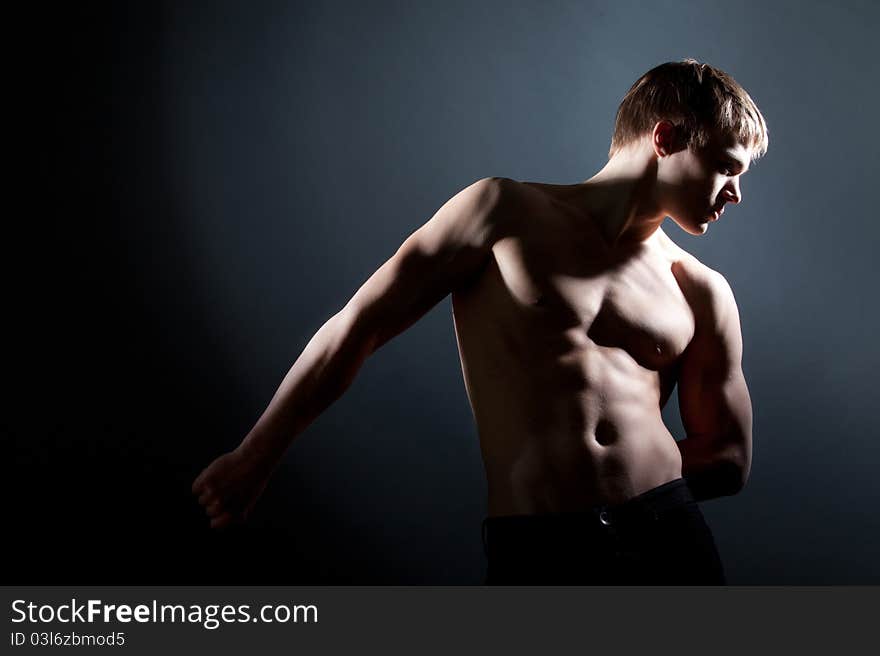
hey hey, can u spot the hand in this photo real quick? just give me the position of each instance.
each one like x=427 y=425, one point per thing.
x=229 y=487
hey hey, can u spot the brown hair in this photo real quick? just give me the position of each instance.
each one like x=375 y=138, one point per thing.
x=698 y=99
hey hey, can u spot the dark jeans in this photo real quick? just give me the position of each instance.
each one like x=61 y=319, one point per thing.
x=656 y=538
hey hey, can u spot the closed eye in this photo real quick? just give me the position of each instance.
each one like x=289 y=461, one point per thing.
x=731 y=168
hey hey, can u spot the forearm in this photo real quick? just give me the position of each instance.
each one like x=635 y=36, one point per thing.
x=712 y=469
x=320 y=375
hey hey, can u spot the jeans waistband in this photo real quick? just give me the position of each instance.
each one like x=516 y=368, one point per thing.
x=647 y=506
x=670 y=495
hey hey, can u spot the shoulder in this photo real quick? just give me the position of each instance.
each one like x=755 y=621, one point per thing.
x=717 y=342
x=707 y=291
x=514 y=193
x=473 y=219
x=468 y=215
x=494 y=203
x=488 y=199
x=479 y=197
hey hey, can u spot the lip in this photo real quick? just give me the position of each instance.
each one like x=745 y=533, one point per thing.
x=716 y=214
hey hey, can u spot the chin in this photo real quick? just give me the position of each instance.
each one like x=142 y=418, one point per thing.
x=695 y=228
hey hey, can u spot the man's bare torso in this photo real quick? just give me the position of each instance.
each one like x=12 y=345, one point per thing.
x=569 y=351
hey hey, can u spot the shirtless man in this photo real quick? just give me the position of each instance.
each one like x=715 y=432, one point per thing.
x=575 y=317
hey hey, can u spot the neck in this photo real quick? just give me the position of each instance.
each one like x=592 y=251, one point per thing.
x=621 y=199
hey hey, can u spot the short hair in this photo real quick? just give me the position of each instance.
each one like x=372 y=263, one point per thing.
x=698 y=99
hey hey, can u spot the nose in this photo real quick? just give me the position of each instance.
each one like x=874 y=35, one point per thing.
x=732 y=193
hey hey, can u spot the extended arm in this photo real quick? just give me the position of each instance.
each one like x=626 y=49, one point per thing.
x=431 y=262
x=442 y=254
x=716 y=410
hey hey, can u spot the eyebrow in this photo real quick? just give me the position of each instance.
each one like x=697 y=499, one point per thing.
x=742 y=167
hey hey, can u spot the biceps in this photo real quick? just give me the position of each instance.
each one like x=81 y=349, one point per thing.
x=407 y=286
x=443 y=254
x=716 y=406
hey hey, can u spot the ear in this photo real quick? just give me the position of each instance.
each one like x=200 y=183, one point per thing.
x=663 y=138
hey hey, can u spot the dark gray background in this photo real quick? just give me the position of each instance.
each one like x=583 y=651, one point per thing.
x=207 y=183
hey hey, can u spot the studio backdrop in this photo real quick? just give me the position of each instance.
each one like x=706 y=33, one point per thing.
x=212 y=181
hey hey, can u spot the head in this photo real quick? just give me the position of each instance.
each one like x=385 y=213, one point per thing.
x=703 y=129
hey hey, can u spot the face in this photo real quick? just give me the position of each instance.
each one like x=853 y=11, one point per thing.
x=695 y=185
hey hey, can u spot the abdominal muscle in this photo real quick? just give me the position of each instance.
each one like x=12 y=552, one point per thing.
x=568 y=433
x=565 y=423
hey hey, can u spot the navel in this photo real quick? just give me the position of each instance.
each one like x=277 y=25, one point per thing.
x=605 y=433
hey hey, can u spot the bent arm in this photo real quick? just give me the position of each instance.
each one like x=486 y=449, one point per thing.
x=714 y=402
x=718 y=464
x=431 y=262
